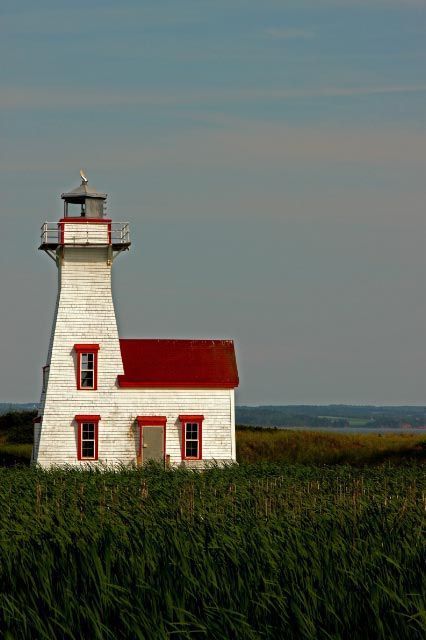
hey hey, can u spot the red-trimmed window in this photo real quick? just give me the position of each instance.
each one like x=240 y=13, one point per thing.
x=87 y=437
x=192 y=437
x=87 y=366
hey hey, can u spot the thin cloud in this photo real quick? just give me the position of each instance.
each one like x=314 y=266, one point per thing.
x=254 y=146
x=82 y=98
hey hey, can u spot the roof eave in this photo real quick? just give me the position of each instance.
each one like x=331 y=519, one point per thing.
x=125 y=383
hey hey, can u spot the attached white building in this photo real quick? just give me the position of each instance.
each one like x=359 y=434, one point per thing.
x=107 y=400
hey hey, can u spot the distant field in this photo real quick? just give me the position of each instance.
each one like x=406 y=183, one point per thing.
x=316 y=447
x=297 y=447
x=358 y=422
x=341 y=416
x=12 y=454
x=353 y=422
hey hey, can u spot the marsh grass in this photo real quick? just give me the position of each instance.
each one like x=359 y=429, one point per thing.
x=14 y=454
x=320 y=447
x=249 y=551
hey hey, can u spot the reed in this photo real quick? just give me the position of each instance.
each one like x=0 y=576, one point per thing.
x=249 y=551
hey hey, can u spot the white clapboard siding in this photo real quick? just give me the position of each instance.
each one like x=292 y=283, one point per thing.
x=85 y=314
x=86 y=232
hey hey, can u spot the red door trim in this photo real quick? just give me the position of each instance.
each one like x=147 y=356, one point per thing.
x=151 y=421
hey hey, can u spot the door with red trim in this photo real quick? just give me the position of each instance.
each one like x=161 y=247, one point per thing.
x=152 y=443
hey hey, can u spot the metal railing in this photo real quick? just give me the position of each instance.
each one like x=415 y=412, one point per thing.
x=85 y=232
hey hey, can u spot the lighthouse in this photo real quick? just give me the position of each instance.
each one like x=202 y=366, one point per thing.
x=107 y=400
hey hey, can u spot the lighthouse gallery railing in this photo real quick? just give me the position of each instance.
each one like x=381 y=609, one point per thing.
x=85 y=232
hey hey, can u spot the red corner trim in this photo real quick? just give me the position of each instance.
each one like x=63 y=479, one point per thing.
x=87 y=348
x=151 y=421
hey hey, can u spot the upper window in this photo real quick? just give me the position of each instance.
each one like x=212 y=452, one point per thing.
x=87 y=440
x=191 y=437
x=87 y=366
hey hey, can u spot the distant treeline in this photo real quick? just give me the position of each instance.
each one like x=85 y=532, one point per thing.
x=331 y=416
x=16 y=426
x=6 y=407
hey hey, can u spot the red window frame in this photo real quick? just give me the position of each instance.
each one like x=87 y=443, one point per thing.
x=151 y=421
x=192 y=419
x=87 y=419
x=81 y=349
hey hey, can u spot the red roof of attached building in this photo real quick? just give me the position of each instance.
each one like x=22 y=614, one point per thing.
x=192 y=364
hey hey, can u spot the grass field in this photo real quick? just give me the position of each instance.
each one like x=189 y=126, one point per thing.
x=353 y=422
x=317 y=447
x=12 y=454
x=302 y=447
x=247 y=552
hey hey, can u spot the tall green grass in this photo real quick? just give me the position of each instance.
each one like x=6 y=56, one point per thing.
x=259 y=551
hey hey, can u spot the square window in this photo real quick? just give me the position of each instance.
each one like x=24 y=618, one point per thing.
x=87 y=360
x=87 y=379
x=88 y=431
x=191 y=449
x=192 y=431
x=88 y=449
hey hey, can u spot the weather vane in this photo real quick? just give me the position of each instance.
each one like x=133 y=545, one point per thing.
x=84 y=180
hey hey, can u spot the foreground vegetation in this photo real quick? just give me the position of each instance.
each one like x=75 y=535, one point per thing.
x=256 y=551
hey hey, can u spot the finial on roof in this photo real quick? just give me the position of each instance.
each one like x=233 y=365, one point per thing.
x=84 y=180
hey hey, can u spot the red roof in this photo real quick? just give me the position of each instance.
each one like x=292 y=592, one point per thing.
x=202 y=364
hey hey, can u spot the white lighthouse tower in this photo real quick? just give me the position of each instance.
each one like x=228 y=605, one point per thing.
x=107 y=400
x=84 y=354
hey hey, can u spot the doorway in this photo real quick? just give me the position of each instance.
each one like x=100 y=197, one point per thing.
x=152 y=439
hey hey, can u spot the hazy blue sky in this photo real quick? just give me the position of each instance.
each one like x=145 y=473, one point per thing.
x=271 y=159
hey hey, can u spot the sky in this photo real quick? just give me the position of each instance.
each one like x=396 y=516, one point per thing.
x=271 y=160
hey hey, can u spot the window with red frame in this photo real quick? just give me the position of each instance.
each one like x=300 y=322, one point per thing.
x=191 y=437
x=87 y=366
x=88 y=436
